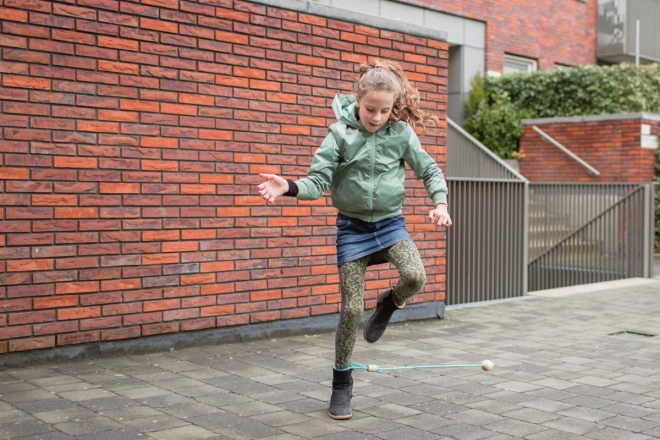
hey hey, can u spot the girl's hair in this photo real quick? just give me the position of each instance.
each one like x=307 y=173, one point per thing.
x=389 y=76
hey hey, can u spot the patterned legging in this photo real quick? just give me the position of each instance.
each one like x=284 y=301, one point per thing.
x=405 y=256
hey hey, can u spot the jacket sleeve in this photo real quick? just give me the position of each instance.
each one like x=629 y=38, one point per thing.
x=426 y=169
x=321 y=171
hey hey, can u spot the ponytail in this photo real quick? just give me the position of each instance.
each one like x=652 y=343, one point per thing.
x=389 y=76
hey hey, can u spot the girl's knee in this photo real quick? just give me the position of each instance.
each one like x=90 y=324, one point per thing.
x=352 y=313
x=414 y=280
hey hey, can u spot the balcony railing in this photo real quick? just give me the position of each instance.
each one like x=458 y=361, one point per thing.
x=617 y=30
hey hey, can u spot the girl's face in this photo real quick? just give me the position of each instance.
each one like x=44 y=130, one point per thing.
x=374 y=109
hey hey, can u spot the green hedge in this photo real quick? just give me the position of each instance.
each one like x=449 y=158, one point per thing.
x=496 y=104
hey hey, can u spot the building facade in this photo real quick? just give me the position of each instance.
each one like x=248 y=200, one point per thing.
x=495 y=37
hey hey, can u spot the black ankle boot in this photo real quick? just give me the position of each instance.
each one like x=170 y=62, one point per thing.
x=342 y=391
x=380 y=317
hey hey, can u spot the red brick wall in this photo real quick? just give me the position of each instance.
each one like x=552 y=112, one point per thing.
x=611 y=147
x=132 y=136
x=551 y=31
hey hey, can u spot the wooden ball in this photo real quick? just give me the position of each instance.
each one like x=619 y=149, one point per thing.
x=487 y=365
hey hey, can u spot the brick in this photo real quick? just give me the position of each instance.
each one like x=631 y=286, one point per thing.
x=31 y=344
x=54 y=200
x=78 y=338
x=77 y=287
x=75 y=162
x=14 y=173
x=78 y=313
x=55 y=302
x=29 y=265
x=120 y=333
x=117 y=43
x=55 y=328
x=31 y=317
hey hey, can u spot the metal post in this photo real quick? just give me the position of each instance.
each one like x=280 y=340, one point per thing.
x=636 y=42
x=649 y=220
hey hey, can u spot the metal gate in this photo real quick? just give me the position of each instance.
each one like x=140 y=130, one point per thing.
x=487 y=244
x=586 y=233
x=510 y=236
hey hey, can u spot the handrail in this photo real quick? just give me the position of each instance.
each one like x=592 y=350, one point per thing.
x=590 y=169
x=590 y=222
x=486 y=150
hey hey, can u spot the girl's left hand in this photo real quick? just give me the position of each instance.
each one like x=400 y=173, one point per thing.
x=439 y=216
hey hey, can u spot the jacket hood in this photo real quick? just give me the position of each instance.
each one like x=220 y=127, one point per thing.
x=345 y=107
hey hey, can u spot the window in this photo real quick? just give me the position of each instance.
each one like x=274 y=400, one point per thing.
x=562 y=66
x=513 y=63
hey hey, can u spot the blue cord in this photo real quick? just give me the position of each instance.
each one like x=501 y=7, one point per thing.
x=378 y=368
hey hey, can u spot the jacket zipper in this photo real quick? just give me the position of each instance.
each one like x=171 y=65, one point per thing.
x=371 y=177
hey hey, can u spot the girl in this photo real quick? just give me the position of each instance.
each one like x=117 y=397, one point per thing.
x=362 y=161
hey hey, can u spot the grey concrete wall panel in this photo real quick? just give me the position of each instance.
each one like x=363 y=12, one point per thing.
x=473 y=63
x=455 y=109
x=475 y=34
x=371 y=7
x=454 y=26
x=454 y=70
x=406 y=13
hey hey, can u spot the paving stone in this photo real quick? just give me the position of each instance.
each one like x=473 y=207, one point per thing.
x=586 y=414
x=629 y=410
x=305 y=406
x=514 y=428
x=78 y=395
x=531 y=415
x=546 y=405
x=474 y=417
x=14 y=415
x=50 y=435
x=219 y=419
x=407 y=433
x=155 y=423
x=107 y=403
x=23 y=428
x=464 y=432
x=130 y=413
x=189 y=410
x=554 y=435
x=115 y=434
x=29 y=395
x=574 y=426
x=312 y=429
x=188 y=432
x=281 y=418
x=87 y=425
x=65 y=415
x=629 y=424
x=615 y=434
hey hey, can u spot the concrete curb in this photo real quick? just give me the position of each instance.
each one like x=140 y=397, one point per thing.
x=594 y=287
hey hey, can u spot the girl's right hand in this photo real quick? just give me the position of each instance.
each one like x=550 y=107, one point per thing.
x=274 y=187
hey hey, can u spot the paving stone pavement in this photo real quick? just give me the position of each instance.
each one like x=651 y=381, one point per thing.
x=559 y=374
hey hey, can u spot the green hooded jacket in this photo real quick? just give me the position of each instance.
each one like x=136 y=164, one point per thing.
x=365 y=171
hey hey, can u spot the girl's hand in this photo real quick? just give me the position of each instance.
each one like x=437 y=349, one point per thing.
x=439 y=216
x=274 y=187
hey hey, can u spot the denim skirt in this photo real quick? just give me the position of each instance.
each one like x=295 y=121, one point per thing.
x=357 y=238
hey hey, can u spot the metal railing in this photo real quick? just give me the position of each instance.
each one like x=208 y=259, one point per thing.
x=591 y=170
x=487 y=244
x=587 y=233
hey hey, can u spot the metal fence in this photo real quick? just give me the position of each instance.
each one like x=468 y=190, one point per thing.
x=586 y=233
x=487 y=244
